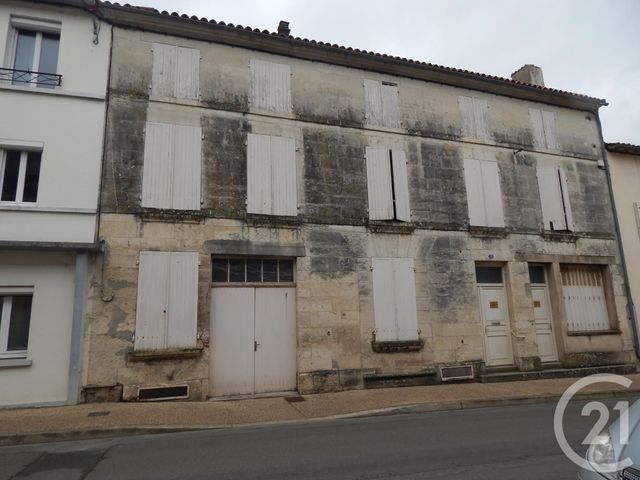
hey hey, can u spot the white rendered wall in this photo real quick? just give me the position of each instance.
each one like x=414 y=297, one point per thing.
x=51 y=276
x=68 y=122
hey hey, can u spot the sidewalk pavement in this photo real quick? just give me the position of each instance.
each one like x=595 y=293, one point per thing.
x=101 y=420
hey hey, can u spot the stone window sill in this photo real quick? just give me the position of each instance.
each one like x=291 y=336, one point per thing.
x=398 y=346
x=259 y=220
x=560 y=236
x=168 y=215
x=593 y=332
x=169 y=354
x=15 y=362
x=391 y=226
x=488 y=232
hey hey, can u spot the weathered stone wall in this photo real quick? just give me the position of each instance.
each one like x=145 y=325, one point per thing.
x=334 y=318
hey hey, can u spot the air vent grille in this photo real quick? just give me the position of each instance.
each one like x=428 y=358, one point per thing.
x=456 y=372
x=174 y=392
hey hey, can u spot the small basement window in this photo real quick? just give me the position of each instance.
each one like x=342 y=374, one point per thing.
x=252 y=270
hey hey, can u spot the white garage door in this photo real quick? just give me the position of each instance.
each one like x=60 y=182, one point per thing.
x=253 y=332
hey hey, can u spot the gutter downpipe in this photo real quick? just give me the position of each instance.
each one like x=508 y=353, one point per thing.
x=631 y=309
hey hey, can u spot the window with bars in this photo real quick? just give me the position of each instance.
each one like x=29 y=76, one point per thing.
x=252 y=270
x=35 y=58
x=585 y=300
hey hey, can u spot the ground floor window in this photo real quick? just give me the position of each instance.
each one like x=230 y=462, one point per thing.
x=15 y=317
x=585 y=299
x=252 y=270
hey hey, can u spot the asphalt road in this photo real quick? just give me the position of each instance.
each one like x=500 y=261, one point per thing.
x=492 y=443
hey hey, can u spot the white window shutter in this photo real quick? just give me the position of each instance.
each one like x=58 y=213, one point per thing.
x=163 y=75
x=492 y=194
x=187 y=73
x=187 y=156
x=537 y=128
x=151 y=309
x=259 y=174
x=158 y=166
x=405 y=299
x=549 y=126
x=390 y=107
x=373 y=102
x=481 y=118
x=636 y=210
x=384 y=299
x=182 y=321
x=475 y=194
x=283 y=176
x=566 y=202
x=550 y=198
x=270 y=86
x=379 y=183
x=401 y=185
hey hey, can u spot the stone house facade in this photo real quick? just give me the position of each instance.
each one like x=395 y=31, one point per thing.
x=279 y=214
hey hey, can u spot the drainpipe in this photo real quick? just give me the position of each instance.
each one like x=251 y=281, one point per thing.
x=631 y=310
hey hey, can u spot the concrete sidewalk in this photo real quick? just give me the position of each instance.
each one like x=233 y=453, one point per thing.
x=34 y=425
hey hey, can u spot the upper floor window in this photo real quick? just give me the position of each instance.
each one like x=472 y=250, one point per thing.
x=554 y=199
x=270 y=87
x=381 y=104
x=543 y=126
x=15 y=316
x=176 y=72
x=19 y=176
x=35 y=56
x=475 y=115
x=172 y=166
x=271 y=175
x=387 y=184
x=484 y=196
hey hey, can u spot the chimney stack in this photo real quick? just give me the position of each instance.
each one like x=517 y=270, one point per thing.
x=529 y=74
x=283 y=29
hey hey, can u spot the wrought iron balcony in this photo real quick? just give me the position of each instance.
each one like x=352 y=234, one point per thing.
x=22 y=77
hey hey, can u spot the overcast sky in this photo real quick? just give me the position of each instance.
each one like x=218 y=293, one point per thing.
x=584 y=46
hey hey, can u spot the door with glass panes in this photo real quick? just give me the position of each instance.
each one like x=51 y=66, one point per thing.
x=253 y=328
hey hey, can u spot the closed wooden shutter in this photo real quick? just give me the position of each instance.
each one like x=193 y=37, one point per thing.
x=271 y=175
x=636 y=210
x=379 y=183
x=584 y=298
x=475 y=192
x=394 y=299
x=270 y=86
x=373 y=102
x=187 y=167
x=390 y=107
x=166 y=313
x=152 y=301
x=183 y=300
x=163 y=75
x=492 y=194
x=554 y=199
x=158 y=166
x=549 y=126
x=474 y=113
x=537 y=129
x=188 y=73
x=401 y=185
x=283 y=176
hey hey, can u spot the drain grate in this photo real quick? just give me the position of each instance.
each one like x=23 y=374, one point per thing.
x=295 y=399
x=98 y=414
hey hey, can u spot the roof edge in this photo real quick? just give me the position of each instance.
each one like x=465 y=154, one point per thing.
x=627 y=148
x=209 y=30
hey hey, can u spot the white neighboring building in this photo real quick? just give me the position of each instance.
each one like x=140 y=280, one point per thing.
x=53 y=81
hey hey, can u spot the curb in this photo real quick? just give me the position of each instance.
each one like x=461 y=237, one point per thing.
x=113 y=432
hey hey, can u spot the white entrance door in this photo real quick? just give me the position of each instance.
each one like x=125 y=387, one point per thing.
x=253 y=340
x=544 y=324
x=495 y=323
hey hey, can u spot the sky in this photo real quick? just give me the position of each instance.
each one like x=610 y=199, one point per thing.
x=590 y=47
